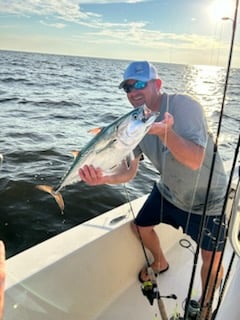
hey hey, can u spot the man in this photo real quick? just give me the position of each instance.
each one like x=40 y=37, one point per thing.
x=180 y=148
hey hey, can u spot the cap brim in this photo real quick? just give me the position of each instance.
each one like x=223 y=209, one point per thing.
x=132 y=78
x=122 y=84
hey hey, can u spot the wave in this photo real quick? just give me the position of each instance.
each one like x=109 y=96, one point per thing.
x=48 y=103
x=12 y=79
x=3 y=100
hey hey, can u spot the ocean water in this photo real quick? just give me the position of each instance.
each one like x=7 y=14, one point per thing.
x=47 y=105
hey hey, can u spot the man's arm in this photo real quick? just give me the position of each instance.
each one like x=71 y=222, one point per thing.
x=185 y=151
x=94 y=176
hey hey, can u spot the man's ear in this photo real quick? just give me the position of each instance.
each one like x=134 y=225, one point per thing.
x=159 y=83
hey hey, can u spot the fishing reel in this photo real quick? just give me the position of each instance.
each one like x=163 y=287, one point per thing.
x=151 y=292
x=192 y=313
x=193 y=310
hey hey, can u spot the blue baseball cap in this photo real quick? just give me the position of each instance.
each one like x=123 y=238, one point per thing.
x=139 y=70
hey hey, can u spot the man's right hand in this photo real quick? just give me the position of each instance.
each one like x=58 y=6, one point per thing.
x=92 y=176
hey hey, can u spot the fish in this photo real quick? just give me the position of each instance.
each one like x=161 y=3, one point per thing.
x=107 y=149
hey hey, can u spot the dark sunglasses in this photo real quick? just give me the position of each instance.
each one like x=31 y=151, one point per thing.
x=138 y=85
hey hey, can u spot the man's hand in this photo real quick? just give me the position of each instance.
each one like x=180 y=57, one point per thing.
x=95 y=176
x=92 y=176
x=161 y=128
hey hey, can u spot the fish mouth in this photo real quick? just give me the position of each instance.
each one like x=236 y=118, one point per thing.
x=142 y=124
x=148 y=114
x=138 y=126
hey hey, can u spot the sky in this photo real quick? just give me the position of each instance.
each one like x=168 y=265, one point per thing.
x=171 y=31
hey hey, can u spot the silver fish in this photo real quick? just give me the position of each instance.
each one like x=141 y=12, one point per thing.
x=108 y=148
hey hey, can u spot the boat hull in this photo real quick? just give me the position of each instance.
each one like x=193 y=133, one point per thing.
x=90 y=272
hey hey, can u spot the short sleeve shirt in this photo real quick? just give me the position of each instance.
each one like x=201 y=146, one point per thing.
x=183 y=187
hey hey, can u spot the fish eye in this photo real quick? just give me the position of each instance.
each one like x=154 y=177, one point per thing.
x=135 y=116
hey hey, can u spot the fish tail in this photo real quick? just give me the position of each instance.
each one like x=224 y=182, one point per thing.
x=56 y=195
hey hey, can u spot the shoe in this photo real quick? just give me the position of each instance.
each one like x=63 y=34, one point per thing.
x=156 y=273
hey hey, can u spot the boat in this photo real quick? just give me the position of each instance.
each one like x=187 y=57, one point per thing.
x=90 y=272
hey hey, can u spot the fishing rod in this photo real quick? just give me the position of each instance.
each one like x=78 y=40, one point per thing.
x=217 y=240
x=150 y=288
x=215 y=148
x=222 y=217
x=230 y=265
x=227 y=231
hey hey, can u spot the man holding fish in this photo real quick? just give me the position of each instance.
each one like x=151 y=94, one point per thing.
x=180 y=148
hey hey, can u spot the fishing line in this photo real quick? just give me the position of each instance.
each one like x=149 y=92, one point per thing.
x=186 y=245
x=137 y=228
x=163 y=165
x=210 y=180
x=153 y=281
x=195 y=184
x=194 y=193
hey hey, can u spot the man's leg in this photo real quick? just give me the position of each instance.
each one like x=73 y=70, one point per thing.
x=206 y=257
x=151 y=242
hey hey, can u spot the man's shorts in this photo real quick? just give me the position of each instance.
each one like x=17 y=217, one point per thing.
x=156 y=209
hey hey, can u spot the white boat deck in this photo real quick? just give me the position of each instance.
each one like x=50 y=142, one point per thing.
x=131 y=304
x=90 y=273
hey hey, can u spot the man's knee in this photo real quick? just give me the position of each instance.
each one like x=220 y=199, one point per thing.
x=141 y=230
x=135 y=228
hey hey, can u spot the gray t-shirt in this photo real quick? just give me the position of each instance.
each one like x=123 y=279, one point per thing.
x=183 y=187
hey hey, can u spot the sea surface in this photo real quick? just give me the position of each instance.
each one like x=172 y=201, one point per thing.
x=47 y=105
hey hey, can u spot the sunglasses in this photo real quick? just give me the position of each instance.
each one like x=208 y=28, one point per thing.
x=138 y=85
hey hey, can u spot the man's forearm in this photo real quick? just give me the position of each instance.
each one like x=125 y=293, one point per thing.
x=185 y=151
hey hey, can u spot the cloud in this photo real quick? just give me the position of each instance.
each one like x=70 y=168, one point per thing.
x=68 y=10
x=59 y=13
x=53 y=25
x=63 y=10
x=137 y=33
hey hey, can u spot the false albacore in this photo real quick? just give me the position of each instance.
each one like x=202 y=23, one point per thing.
x=113 y=144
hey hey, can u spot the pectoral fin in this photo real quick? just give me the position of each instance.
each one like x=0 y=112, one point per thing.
x=95 y=130
x=56 y=195
x=75 y=153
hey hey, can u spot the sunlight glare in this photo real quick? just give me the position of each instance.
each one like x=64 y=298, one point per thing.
x=221 y=8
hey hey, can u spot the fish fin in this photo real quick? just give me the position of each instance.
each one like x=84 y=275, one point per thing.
x=75 y=153
x=95 y=130
x=56 y=195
